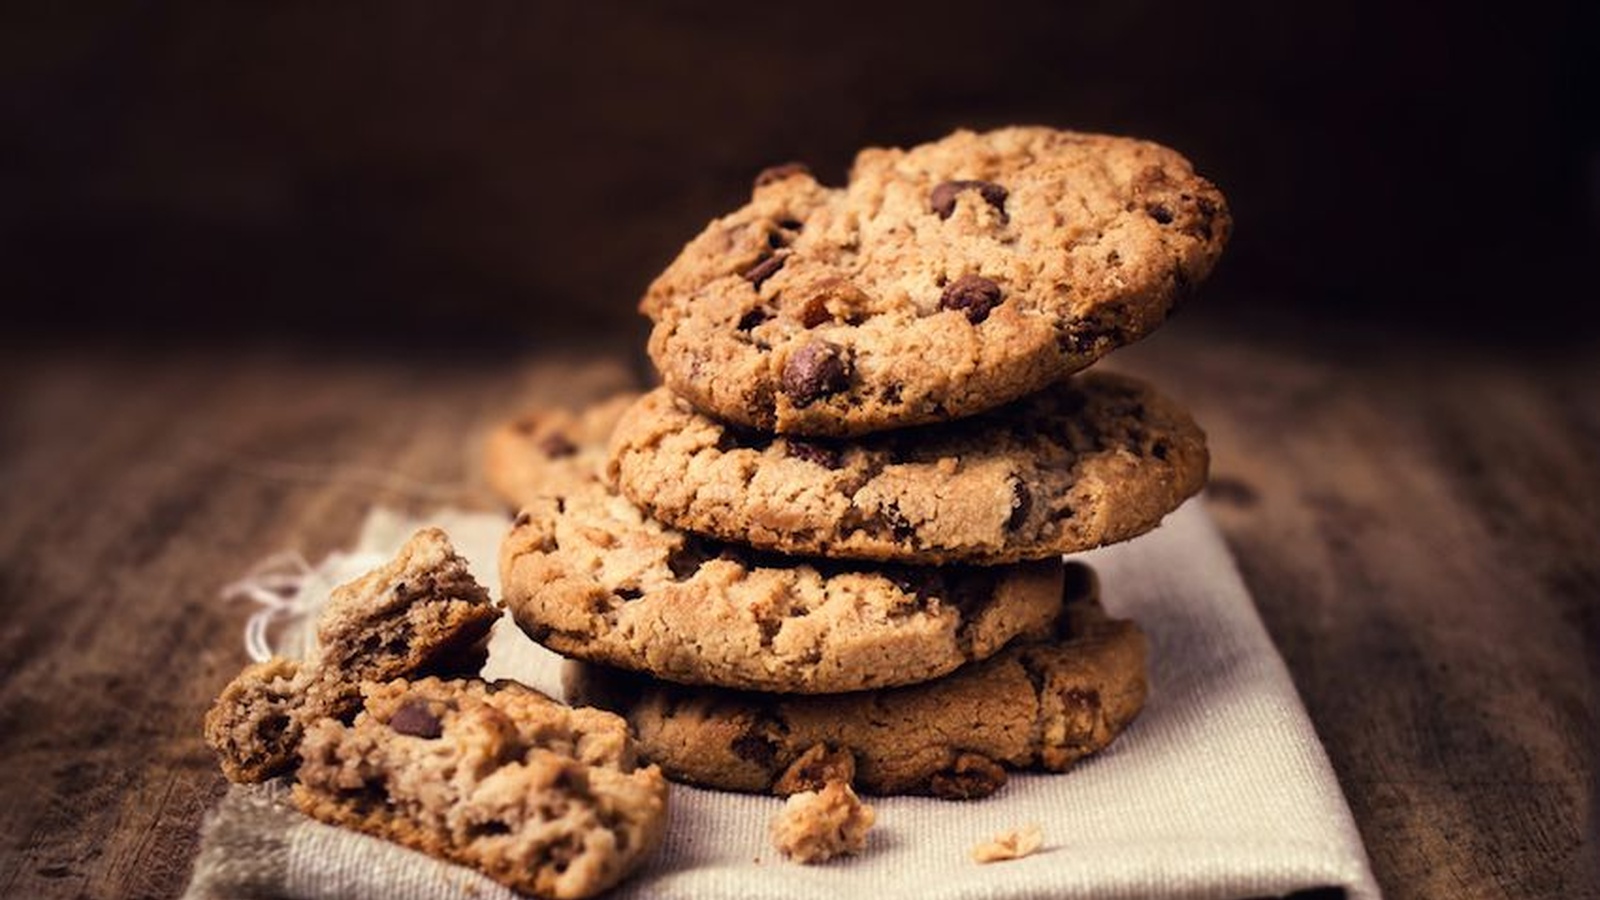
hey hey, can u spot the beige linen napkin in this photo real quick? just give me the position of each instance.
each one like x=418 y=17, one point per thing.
x=1220 y=789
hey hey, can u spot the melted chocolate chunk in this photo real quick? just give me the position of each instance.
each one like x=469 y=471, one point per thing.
x=973 y=295
x=765 y=268
x=815 y=371
x=415 y=720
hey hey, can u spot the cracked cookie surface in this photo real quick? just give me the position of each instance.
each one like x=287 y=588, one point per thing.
x=1043 y=705
x=587 y=574
x=544 y=798
x=941 y=281
x=420 y=612
x=1095 y=459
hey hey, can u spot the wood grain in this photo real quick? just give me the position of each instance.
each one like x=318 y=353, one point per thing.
x=1419 y=531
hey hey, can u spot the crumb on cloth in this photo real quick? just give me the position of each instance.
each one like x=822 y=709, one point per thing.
x=1013 y=843
x=816 y=826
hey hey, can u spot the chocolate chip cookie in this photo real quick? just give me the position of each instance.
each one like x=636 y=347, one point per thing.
x=421 y=612
x=550 y=446
x=1044 y=704
x=941 y=281
x=1092 y=460
x=548 y=800
x=590 y=576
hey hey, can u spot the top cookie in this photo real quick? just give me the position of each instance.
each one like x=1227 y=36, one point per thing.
x=1095 y=459
x=940 y=282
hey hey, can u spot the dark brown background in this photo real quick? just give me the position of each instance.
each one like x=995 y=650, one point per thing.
x=502 y=169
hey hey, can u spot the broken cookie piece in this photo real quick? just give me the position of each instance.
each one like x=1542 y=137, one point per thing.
x=543 y=798
x=816 y=826
x=1013 y=843
x=421 y=612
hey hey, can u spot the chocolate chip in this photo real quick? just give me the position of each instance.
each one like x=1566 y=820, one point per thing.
x=414 y=718
x=1159 y=212
x=522 y=520
x=753 y=318
x=772 y=174
x=813 y=452
x=629 y=594
x=791 y=224
x=1021 y=502
x=943 y=198
x=815 y=371
x=765 y=268
x=973 y=294
x=892 y=520
x=970 y=777
x=556 y=445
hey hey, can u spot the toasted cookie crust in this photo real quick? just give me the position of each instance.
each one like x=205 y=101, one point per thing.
x=588 y=575
x=941 y=281
x=1044 y=704
x=1092 y=460
x=548 y=800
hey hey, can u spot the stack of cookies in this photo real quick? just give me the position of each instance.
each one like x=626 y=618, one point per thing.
x=830 y=546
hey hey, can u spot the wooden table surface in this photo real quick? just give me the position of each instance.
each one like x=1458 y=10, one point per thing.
x=1420 y=527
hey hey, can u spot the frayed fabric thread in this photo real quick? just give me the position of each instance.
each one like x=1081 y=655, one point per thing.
x=290 y=592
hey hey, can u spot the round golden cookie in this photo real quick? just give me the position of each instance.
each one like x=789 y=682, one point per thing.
x=941 y=281
x=1043 y=704
x=1092 y=460
x=587 y=574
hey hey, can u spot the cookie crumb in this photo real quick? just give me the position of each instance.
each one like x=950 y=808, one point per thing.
x=1013 y=843
x=816 y=826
